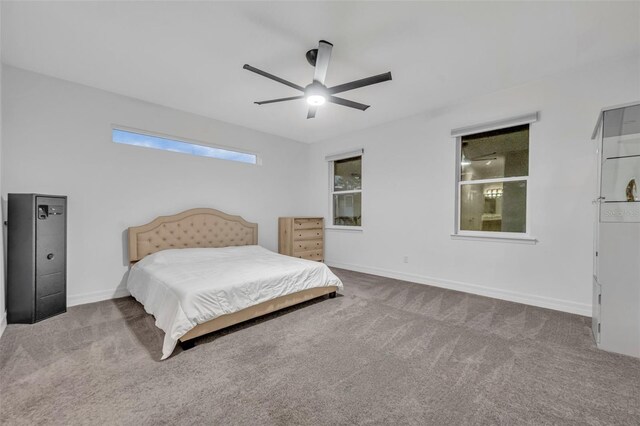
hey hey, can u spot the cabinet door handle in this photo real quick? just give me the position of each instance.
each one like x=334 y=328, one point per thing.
x=50 y=256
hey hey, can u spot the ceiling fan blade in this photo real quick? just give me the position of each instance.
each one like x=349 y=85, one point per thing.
x=273 y=77
x=322 y=61
x=312 y=111
x=347 y=103
x=271 y=101
x=360 y=83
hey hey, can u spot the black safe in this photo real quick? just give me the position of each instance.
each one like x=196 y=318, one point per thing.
x=36 y=257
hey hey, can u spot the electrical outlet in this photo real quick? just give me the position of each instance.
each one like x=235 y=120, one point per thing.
x=405 y=259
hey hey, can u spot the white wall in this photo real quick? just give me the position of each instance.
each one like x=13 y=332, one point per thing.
x=58 y=141
x=409 y=183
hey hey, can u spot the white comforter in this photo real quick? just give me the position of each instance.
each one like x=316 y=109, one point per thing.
x=186 y=287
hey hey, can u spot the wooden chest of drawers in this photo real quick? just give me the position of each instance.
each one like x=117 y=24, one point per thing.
x=301 y=237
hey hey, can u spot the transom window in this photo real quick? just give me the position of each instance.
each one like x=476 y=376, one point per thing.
x=158 y=142
x=346 y=191
x=492 y=185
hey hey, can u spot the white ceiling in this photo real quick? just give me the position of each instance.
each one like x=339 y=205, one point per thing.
x=189 y=56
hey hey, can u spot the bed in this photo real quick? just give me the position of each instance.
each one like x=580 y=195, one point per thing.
x=202 y=270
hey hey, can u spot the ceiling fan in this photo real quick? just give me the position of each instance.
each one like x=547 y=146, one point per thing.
x=317 y=93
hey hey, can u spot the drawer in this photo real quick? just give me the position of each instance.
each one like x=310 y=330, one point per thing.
x=309 y=255
x=308 y=223
x=50 y=305
x=50 y=284
x=307 y=234
x=306 y=245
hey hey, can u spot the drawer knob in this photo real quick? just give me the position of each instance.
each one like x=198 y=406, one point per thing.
x=50 y=256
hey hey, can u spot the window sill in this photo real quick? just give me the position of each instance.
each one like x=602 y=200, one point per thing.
x=525 y=239
x=344 y=228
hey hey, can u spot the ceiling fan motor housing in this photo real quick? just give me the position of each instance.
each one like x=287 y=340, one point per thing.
x=315 y=89
x=316 y=93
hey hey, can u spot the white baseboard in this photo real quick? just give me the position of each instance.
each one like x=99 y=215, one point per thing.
x=3 y=322
x=96 y=296
x=512 y=296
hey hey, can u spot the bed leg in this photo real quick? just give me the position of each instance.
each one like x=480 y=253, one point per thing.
x=186 y=345
x=332 y=295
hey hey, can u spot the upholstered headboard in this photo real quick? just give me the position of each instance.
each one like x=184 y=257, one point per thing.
x=190 y=229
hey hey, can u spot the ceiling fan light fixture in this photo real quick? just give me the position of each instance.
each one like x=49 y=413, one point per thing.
x=316 y=100
x=316 y=94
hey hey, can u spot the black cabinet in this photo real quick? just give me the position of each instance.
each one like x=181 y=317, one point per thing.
x=36 y=257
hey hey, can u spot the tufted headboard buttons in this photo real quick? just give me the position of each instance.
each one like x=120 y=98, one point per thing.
x=191 y=229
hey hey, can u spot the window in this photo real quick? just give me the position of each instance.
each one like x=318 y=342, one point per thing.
x=492 y=182
x=157 y=142
x=346 y=191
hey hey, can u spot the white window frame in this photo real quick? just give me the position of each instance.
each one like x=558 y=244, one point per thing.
x=517 y=237
x=331 y=159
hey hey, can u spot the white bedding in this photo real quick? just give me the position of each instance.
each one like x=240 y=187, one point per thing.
x=186 y=287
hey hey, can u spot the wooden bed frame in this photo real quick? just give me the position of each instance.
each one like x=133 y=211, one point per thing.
x=210 y=228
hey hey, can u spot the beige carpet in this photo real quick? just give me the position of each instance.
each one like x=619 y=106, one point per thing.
x=386 y=352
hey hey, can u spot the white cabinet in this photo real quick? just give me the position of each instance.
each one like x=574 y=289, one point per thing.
x=616 y=284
